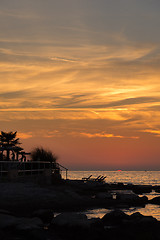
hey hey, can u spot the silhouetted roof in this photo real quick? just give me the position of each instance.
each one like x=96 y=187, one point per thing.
x=11 y=148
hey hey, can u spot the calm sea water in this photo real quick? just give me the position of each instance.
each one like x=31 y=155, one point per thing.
x=134 y=177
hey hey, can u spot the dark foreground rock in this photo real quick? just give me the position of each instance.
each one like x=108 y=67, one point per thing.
x=155 y=200
x=23 y=199
x=140 y=189
x=46 y=215
x=115 y=225
x=114 y=218
x=156 y=189
x=27 y=212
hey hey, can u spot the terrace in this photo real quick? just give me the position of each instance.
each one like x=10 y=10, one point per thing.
x=15 y=163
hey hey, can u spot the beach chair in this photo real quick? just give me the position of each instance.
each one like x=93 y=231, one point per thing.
x=96 y=179
x=86 y=179
x=101 y=179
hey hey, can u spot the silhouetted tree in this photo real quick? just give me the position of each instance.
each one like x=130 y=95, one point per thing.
x=41 y=154
x=9 y=141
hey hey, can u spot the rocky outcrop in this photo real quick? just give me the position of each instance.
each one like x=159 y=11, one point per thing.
x=115 y=217
x=139 y=219
x=104 y=195
x=155 y=200
x=46 y=215
x=9 y=221
x=71 y=220
x=140 y=189
x=71 y=225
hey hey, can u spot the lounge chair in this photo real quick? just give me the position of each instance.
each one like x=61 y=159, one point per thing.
x=101 y=179
x=96 y=179
x=86 y=179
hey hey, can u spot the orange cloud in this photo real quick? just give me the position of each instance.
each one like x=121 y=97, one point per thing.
x=25 y=135
x=104 y=135
x=155 y=132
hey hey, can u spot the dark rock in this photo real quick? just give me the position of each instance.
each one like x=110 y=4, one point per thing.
x=136 y=216
x=141 y=220
x=155 y=200
x=27 y=224
x=115 y=217
x=156 y=189
x=126 y=196
x=45 y=215
x=104 y=195
x=37 y=234
x=7 y=221
x=3 y=211
x=140 y=189
x=71 y=220
x=144 y=199
x=2 y=235
x=129 y=198
x=95 y=222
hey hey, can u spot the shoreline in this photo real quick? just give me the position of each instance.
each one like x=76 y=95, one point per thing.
x=28 y=211
x=72 y=195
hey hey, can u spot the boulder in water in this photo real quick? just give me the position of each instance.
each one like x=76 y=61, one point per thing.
x=155 y=200
x=46 y=215
x=71 y=220
x=113 y=218
x=25 y=224
x=7 y=221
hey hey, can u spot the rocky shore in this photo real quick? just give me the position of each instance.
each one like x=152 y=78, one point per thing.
x=28 y=211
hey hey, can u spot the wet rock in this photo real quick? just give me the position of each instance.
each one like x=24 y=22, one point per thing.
x=129 y=198
x=157 y=189
x=144 y=199
x=155 y=200
x=141 y=220
x=126 y=196
x=71 y=220
x=115 y=217
x=2 y=235
x=37 y=234
x=46 y=215
x=140 y=189
x=103 y=195
x=136 y=216
x=25 y=224
x=3 y=211
x=7 y=221
x=148 y=220
x=95 y=224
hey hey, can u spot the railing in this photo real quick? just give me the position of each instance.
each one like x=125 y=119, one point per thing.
x=62 y=167
x=29 y=167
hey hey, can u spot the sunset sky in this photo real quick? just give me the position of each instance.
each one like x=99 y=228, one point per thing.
x=82 y=78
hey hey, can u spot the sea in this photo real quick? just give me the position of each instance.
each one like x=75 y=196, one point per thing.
x=134 y=177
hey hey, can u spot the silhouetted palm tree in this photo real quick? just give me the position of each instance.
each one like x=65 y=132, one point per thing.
x=9 y=142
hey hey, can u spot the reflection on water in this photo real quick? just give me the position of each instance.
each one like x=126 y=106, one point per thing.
x=135 y=177
x=149 y=210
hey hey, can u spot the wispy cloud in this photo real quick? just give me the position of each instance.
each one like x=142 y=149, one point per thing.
x=63 y=59
x=105 y=135
x=18 y=15
x=85 y=67
x=152 y=131
x=25 y=135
